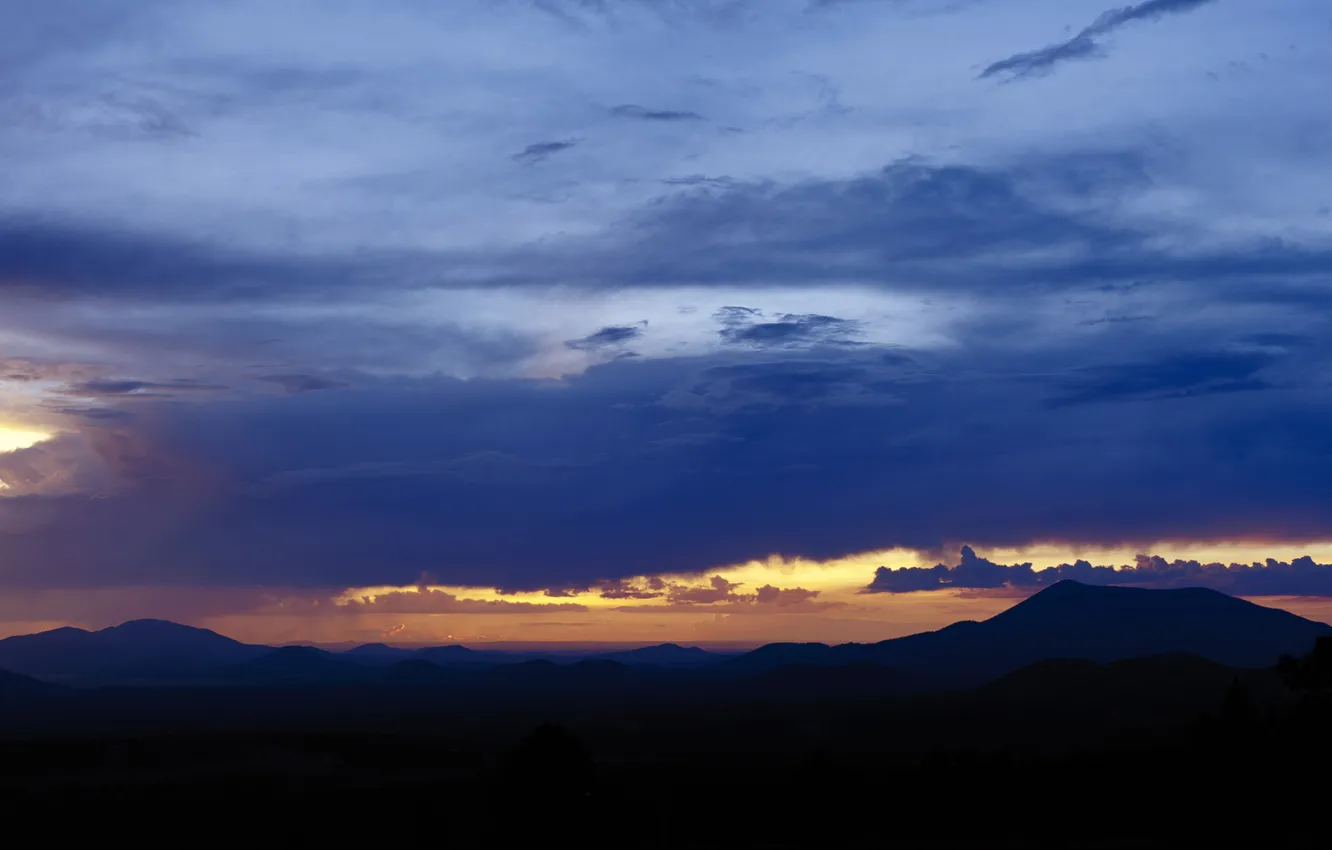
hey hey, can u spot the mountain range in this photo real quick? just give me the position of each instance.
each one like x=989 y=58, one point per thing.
x=1068 y=620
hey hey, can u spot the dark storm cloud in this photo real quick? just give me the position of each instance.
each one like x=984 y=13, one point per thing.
x=629 y=110
x=534 y=484
x=1084 y=45
x=541 y=151
x=53 y=258
x=1301 y=577
x=1033 y=226
x=948 y=225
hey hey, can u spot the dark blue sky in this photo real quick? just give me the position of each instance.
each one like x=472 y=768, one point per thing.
x=542 y=293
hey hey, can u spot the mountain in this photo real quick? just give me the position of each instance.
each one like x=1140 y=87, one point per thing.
x=378 y=653
x=454 y=654
x=296 y=664
x=665 y=655
x=1071 y=620
x=137 y=649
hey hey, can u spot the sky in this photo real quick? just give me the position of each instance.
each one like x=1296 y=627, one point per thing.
x=644 y=320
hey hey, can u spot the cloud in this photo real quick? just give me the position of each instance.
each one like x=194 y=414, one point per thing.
x=817 y=456
x=716 y=594
x=608 y=337
x=746 y=326
x=777 y=383
x=1171 y=376
x=108 y=388
x=1301 y=577
x=629 y=110
x=296 y=384
x=1084 y=45
x=921 y=292
x=427 y=601
x=541 y=151
x=717 y=589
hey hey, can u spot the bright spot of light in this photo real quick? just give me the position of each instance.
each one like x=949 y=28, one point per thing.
x=13 y=439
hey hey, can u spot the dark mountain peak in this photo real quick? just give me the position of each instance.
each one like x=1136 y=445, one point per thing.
x=1072 y=620
x=62 y=631
x=149 y=624
x=1065 y=587
x=1072 y=599
x=134 y=650
x=163 y=630
x=373 y=647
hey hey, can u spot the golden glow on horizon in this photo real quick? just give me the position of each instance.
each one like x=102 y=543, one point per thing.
x=12 y=439
x=841 y=579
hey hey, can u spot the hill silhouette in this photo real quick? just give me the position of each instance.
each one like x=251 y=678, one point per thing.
x=378 y=653
x=1067 y=620
x=138 y=648
x=663 y=655
x=1074 y=620
x=296 y=664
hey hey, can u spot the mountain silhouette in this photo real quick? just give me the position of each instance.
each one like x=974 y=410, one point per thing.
x=1067 y=620
x=664 y=655
x=139 y=648
x=296 y=664
x=455 y=654
x=378 y=653
x=1076 y=621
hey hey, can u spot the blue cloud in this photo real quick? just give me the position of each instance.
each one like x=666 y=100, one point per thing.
x=1084 y=45
x=338 y=332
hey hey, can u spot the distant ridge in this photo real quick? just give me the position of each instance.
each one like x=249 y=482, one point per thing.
x=295 y=664
x=1076 y=621
x=1067 y=620
x=664 y=655
x=138 y=648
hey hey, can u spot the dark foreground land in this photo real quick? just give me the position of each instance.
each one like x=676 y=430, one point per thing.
x=1065 y=754
x=1158 y=719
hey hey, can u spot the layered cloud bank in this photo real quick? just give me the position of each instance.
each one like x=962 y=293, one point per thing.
x=1299 y=577
x=562 y=295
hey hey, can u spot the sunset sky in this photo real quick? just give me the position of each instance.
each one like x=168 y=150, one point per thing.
x=710 y=321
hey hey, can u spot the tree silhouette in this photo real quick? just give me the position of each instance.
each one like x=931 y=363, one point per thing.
x=1310 y=674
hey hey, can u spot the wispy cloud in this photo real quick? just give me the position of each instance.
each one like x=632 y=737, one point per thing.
x=629 y=110
x=1085 y=45
x=608 y=337
x=541 y=151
